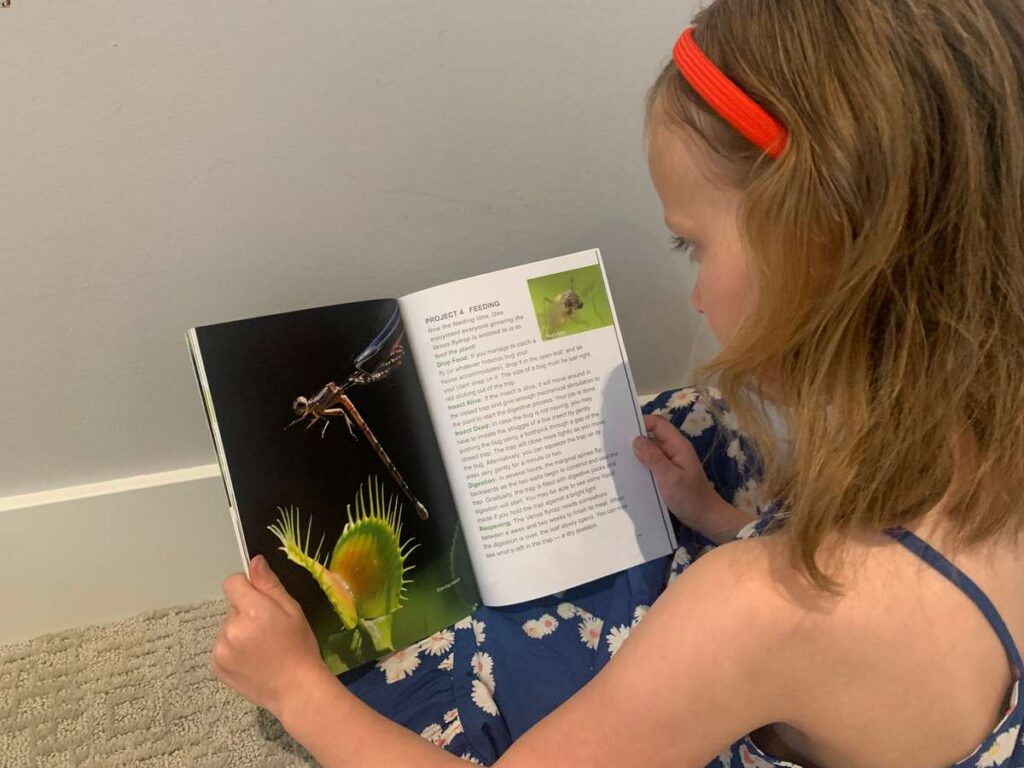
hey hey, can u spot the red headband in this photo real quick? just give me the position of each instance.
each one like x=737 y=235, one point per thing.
x=727 y=99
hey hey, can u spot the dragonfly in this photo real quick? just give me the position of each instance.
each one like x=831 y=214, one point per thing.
x=375 y=363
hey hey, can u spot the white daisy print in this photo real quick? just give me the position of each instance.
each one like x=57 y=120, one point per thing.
x=697 y=421
x=438 y=643
x=449 y=734
x=483 y=698
x=478 y=631
x=531 y=628
x=616 y=638
x=451 y=715
x=566 y=610
x=537 y=628
x=549 y=623
x=747 y=530
x=679 y=562
x=730 y=422
x=439 y=736
x=639 y=612
x=469 y=758
x=483 y=667
x=682 y=398
x=399 y=664
x=1001 y=749
x=590 y=631
x=466 y=623
x=682 y=557
x=748 y=498
x=432 y=733
x=735 y=451
x=448 y=663
x=750 y=760
x=714 y=392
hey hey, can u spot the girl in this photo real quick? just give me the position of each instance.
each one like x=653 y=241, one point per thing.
x=849 y=177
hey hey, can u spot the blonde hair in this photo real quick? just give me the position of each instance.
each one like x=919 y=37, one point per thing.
x=886 y=245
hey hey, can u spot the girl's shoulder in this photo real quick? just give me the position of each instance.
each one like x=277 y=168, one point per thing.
x=887 y=599
x=898 y=652
x=754 y=597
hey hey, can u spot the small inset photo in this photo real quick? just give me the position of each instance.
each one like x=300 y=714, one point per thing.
x=570 y=302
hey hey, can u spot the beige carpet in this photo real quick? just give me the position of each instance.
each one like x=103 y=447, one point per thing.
x=137 y=692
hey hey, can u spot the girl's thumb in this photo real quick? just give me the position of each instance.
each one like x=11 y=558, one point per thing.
x=648 y=453
x=263 y=578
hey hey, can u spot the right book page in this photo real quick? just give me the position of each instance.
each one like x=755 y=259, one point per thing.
x=535 y=410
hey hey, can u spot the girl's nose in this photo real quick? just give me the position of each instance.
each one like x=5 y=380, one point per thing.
x=695 y=298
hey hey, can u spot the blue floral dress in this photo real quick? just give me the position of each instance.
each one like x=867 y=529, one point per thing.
x=478 y=685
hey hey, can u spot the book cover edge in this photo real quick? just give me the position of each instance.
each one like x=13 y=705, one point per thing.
x=195 y=351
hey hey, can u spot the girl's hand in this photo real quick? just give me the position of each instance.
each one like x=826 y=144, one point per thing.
x=683 y=484
x=265 y=650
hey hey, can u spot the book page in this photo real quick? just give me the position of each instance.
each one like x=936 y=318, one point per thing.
x=535 y=411
x=332 y=471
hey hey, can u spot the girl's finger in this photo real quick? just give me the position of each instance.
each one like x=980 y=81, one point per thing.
x=653 y=457
x=676 y=447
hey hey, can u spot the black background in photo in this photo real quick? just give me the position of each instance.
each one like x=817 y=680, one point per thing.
x=256 y=368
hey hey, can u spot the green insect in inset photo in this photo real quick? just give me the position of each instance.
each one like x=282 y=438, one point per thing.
x=570 y=302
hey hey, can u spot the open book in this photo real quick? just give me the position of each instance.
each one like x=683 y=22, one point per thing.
x=399 y=461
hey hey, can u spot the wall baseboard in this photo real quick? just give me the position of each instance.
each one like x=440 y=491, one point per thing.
x=104 y=551
x=78 y=492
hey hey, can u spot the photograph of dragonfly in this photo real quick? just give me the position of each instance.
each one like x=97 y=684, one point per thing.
x=373 y=364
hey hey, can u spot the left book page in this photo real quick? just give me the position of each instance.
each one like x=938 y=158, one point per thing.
x=332 y=472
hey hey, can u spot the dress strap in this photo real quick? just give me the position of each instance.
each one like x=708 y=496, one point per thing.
x=961 y=580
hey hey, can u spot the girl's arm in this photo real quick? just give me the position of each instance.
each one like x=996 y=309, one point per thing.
x=694 y=677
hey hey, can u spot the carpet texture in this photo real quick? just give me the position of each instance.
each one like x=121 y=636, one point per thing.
x=137 y=692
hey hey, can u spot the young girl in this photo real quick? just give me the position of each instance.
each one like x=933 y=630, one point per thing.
x=849 y=177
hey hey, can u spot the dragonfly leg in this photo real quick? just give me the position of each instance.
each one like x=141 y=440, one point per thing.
x=350 y=408
x=344 y=415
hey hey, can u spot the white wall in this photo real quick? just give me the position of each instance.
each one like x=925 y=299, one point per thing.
x=168 y=164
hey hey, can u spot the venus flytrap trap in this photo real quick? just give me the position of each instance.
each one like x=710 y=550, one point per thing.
x=364 y=577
